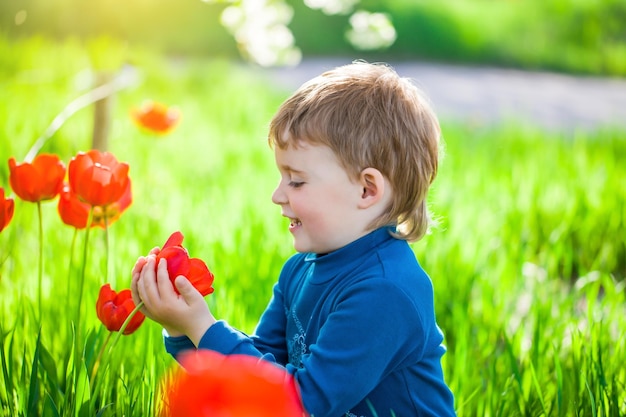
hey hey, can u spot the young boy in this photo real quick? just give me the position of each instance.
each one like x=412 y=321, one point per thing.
x=352 y=315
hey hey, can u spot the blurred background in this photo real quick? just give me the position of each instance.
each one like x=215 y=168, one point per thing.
x=573 y=36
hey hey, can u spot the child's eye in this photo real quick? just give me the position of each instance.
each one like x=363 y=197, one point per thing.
x=296 y=184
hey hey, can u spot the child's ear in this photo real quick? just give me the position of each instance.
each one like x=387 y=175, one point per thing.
x=373 y=184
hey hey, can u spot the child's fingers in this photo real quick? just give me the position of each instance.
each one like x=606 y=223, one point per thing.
x=133 y=288
x=141 y=261
x=187 y=291
x=154 y=251
x=146 y=283
x=165 y=287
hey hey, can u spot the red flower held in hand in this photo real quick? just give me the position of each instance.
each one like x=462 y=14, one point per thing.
x=7 y=206
x=211 y=384
x=98 y=178
x=156 y=117
x=114 y=308
x=37 y=181
x=179 y=263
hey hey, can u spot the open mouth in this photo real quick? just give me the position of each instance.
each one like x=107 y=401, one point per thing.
x=295 y=223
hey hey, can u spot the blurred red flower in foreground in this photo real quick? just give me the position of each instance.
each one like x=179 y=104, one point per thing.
x=211 y=384
x=98 y=178
x=179 y=263
x=75 y=213
x=7 y=205
x=114 y=308
x=37 y=181
x=156 y=117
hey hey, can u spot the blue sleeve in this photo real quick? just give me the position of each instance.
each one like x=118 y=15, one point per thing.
x=268 y=341
x=220 y=337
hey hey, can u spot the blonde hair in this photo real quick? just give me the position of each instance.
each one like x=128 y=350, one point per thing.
x=370 y=117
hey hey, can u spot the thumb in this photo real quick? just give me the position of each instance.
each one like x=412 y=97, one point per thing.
x=186 y=289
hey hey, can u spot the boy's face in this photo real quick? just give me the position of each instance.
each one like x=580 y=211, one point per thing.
x=319 y=198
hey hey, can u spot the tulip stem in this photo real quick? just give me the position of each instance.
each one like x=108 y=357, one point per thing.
x=106 y=247
x=105 y=366
x=125 y=324
x=40 y=276
x=97 y=362
x=71 y=265
x=83 y=270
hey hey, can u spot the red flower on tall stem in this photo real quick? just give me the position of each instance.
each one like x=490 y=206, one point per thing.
x=98 y=178
x=105 y=216
x=114 y=308
x=72 y=211
x=179 y=263
x=7 y=206
x=75 y=213
x=156 y=117
x=211 y=384
x=39 y=180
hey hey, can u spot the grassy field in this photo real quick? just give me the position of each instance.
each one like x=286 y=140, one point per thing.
x=528 y=260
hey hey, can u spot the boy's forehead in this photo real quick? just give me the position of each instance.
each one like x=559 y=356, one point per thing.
x=295 y=158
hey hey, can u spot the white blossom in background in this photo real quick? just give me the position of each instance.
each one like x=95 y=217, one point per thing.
x=262 y=35
x=370 y=31
x=332 y=7
x=260 y=30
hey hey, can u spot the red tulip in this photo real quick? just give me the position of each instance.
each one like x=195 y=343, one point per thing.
x=156 y=117
x=179 y=263
x=106 y=216
x=212 y=384
x=98 y=178
x=114 y=308
x=75 y=213
x=37 y=181
x=7 y=205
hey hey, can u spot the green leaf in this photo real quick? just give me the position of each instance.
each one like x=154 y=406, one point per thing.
x=83 y=392
x=48 y=364
x=34 y=388
x=50 y=408
x=8 y=381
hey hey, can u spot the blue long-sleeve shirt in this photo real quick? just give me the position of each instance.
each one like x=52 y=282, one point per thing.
x=357 y=329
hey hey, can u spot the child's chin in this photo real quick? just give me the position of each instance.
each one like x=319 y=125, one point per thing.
x=301 y=246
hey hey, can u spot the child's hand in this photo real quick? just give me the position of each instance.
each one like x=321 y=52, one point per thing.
x=186 y=313
x=136 y=273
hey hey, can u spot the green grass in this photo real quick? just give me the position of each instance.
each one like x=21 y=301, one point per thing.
x=528 y=262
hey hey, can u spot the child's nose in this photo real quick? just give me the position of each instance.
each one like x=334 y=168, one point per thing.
x=278 y=196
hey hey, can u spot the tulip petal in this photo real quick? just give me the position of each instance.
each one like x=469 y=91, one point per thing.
x=177 y=261
x=7 y=207
x=200 y=276
x=77 y=166
x=72 y=211
x=175 y=239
